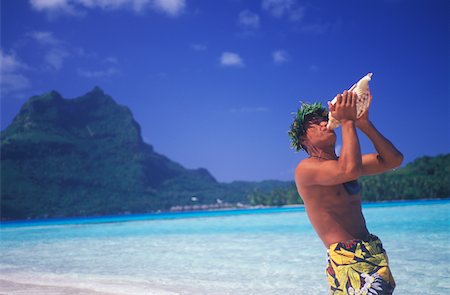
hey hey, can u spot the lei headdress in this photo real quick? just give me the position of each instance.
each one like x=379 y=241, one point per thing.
x=298 y=129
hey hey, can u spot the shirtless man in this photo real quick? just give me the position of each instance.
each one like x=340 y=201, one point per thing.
x=357 y=262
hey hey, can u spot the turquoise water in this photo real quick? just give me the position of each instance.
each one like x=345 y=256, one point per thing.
x=257 y=251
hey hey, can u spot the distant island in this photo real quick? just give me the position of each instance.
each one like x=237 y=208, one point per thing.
x=86 y=157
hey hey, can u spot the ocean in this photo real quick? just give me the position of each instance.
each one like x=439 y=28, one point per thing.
x=248 y=251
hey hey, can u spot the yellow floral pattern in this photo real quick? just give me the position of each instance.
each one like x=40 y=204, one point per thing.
x=359 y=267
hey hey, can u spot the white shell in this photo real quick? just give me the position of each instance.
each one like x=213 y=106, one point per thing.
x=362 y=104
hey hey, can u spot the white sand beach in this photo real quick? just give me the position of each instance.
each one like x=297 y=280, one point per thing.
x=13 y=285
x=13 y=288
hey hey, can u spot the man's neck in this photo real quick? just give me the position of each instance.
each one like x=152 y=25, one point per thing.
x=322 y=154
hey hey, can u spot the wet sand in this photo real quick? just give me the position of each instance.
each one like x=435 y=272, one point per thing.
x=8 y=287
x=14 y=288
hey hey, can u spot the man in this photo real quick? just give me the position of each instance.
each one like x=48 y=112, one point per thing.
x=357 y=262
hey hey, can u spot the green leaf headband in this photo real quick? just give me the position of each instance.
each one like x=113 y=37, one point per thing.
x=298 y=126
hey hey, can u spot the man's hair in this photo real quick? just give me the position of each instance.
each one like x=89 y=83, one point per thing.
x=299 y=126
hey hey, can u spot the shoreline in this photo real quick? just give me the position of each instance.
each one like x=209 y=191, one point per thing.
x=62 y=285
x=237 y=208
x=11 y=287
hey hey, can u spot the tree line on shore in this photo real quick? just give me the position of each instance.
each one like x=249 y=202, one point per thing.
x=425 y=178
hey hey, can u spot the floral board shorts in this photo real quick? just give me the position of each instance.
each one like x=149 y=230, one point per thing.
x=359 y=267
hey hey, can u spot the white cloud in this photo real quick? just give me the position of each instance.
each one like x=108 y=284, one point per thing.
x=137 y=5
x=277 y=7
x=10 y=63
x=231 y=59
x=55 y=57
x=12 y=80
x=199 y=47
x=56 y=49
x=170 y=7
x=284 y=8
x=78 y=7
x=44 y=38
x=79 y=51
x=53 y=7
x=112 y=60
x=280 y=56
x=111 y=71
x=248 y=19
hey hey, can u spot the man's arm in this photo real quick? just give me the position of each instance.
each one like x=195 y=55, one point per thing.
x=388 y=156
x=349 y=165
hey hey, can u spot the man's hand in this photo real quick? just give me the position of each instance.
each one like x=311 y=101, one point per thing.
x=345 y=107
x=363 y=121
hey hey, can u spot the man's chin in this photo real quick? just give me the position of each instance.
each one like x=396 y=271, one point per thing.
x=331 y=133
x=333 y=138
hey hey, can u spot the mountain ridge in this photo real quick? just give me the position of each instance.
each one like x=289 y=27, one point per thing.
x=85 y=145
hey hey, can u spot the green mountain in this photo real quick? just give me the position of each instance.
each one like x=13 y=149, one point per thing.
x=85 y=156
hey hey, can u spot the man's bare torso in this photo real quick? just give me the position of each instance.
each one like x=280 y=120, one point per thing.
x=334 y=213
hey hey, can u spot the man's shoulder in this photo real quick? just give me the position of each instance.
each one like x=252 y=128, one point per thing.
x=302 y=167
x=308 y=169
x=305 y=163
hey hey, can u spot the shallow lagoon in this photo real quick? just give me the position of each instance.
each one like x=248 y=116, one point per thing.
x=257 y=251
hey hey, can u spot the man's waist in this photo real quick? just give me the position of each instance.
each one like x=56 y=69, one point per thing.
x=351 y=244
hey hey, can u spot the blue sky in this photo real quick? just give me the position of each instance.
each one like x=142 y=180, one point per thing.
x=213 y=83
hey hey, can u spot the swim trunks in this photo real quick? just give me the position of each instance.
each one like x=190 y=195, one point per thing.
x=359 y=267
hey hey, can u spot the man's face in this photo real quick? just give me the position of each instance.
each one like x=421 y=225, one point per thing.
x=317 y=132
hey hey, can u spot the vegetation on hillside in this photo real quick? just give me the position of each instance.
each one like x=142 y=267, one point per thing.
x=85 y=156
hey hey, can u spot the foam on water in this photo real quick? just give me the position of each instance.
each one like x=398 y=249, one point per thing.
x=222 y=254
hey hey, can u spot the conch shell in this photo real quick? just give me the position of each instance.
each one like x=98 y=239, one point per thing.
x=362 y=104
